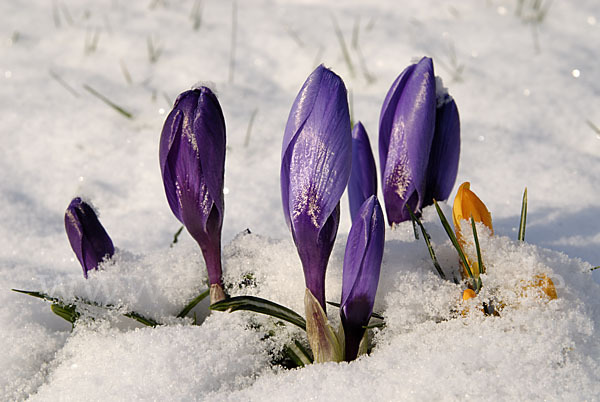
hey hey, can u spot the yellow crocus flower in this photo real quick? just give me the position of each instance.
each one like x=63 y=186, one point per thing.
x=467 y=205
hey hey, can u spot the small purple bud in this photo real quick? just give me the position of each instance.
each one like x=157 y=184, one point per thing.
x=360 y=277
x=363 y=179
x=445 y=149
x=406 y=127
x=192 y=162
x=87 y=236
x=315 y=165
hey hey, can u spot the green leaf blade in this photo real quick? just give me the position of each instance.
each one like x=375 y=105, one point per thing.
x=261 y=306
x=523 y=221
x=193 y=303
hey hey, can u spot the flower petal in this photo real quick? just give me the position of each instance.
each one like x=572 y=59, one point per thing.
x=363 y=179
x=445 y=151
x=209 y=126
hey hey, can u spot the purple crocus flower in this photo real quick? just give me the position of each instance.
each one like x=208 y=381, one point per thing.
x=445 y=149
x=315 y=165
x=363 y=179
x=192 y=162
x=87 y=236
x=406 y=128
x=362 y=264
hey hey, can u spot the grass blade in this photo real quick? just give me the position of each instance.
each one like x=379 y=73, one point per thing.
x=193 y=303
x=298 y=354
x=345 y=52
x=378 y=325
x=262 y=306
x=523 y=217
x=476 y=284
x=233 y=40
x=140 y=318
x=62 y=82
x=427 y=238
x=108 y=101
x=176 y=236
x=125 y=72
x=67 y=313
x=476 y=238
x=249 y=129
x=54 y=300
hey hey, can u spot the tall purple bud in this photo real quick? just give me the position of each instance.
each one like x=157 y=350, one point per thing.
x=192 y=162
x=445 y=148
x=406 y=128
x=315 y=165
x=362 y=265
x=363 y=179
x=87 y=236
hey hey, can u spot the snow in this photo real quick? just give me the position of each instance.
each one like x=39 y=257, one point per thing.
x=527 y=95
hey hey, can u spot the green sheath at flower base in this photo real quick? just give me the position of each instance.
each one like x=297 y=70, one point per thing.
x=323 y=340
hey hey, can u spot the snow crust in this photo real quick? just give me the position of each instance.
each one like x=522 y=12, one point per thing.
x=527 y=96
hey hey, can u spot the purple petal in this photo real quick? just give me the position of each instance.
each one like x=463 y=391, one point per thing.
x=362 y=265
x=445 y=151
x=363 y=179
x=388 y=112
x=87 y=236
x=315 y=166
x=408 y=136
x=192 y=160
x=209 y=126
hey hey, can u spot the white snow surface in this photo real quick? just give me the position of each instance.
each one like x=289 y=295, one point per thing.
x=528 y=93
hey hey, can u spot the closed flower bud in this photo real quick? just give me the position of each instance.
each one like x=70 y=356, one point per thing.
x=315 y=165
x=192 y=162
x=87 y=236
x=406 y=128
x=362 y=265
x=419 y=142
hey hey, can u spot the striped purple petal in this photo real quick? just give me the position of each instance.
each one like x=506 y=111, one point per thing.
x=362 y=265
x=363 y=178
x=406 y=129
x=315 y=166
x=192 y=161
x=87 y=236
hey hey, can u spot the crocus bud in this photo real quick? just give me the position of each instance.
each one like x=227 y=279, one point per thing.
x=363 y=178
x=467 y=205
x=406 y=129
x=362 y=265
x=316 y=160
x=87 y=236
x=192 y=162
x=445 y=149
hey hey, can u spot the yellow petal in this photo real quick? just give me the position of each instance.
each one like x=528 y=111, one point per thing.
x=543 y=283
x=467 y=204
x=469 y=294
